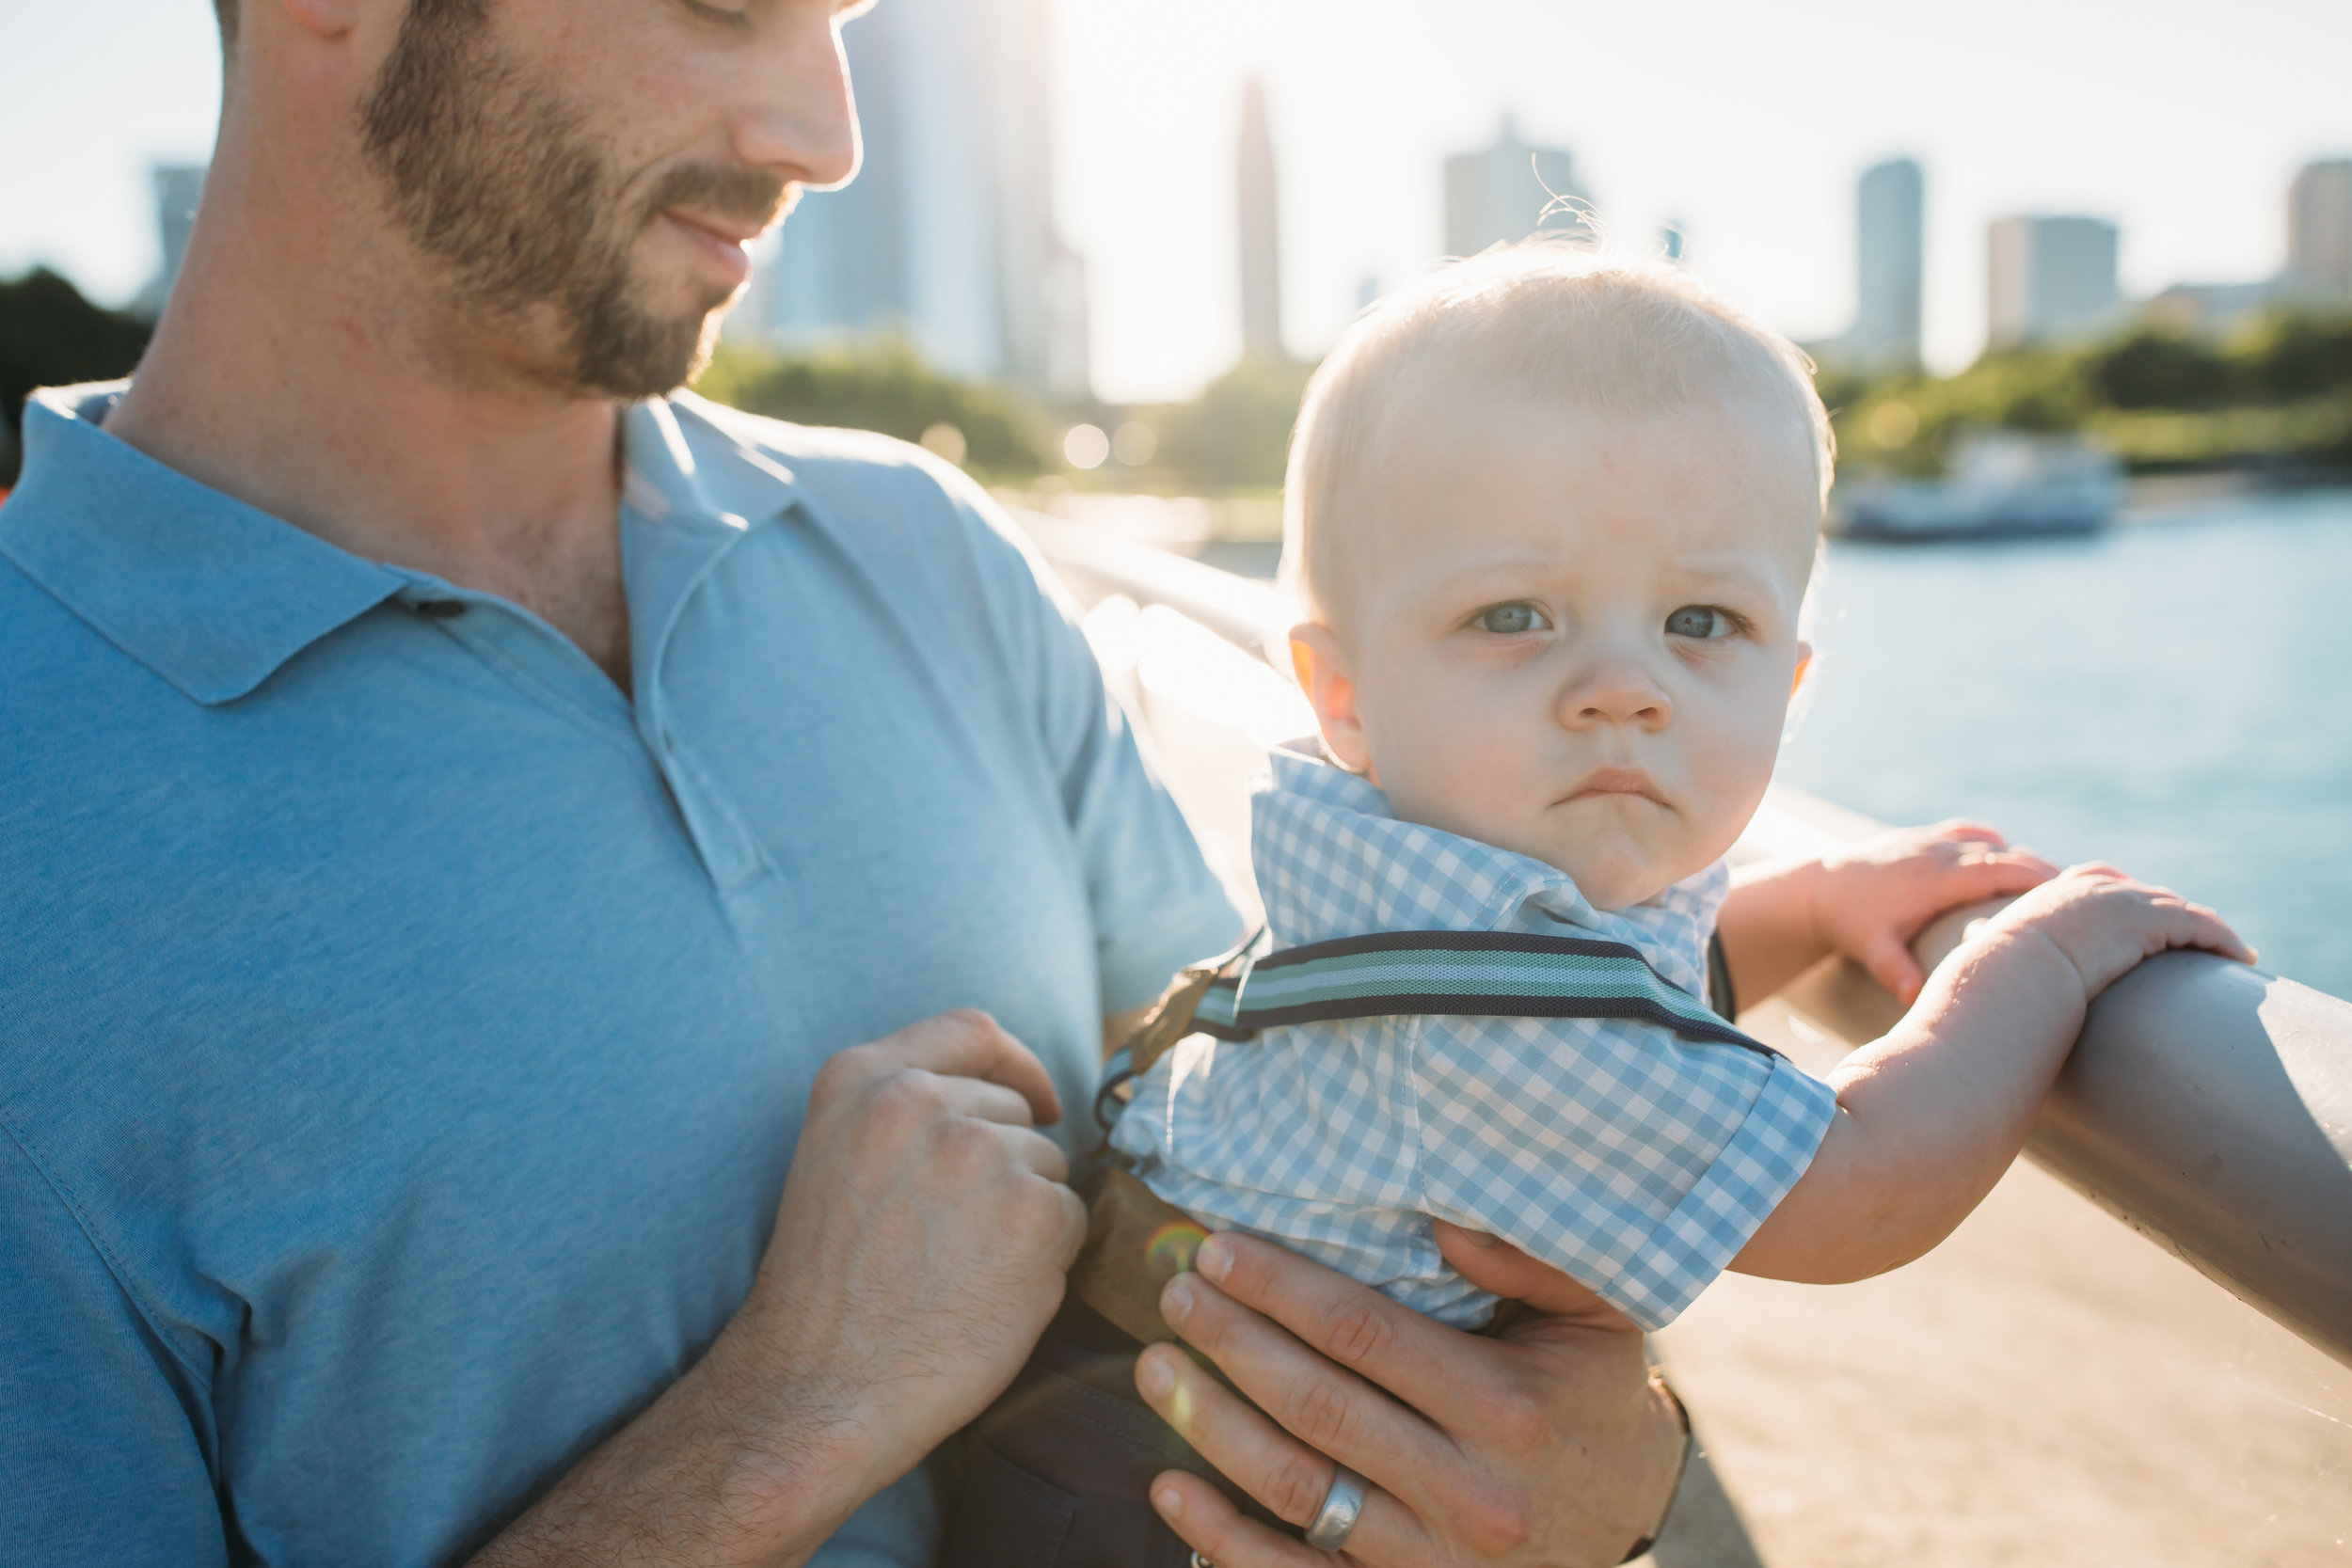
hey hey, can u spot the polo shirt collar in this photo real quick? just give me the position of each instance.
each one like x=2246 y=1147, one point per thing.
x=215 y=595
x=1332 y=860
x=207 y=591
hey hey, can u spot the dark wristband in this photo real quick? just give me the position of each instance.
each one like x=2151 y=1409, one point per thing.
x=1682 y=1467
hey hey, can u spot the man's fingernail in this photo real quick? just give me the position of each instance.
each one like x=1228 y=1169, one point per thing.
x=1155 y=1377
x=1215 y=1259
x=1169 y=1502
x=1483 y=1239
x=1176 y=1301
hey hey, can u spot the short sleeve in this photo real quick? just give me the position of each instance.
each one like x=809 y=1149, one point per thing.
x=1635 y=1160
x=100 y=1458
x=1157 y=906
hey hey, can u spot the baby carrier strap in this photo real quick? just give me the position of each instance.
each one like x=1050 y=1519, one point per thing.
x=1484 y=973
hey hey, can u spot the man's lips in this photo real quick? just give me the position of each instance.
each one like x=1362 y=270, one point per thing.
x=1615 y=780
x=727 y=248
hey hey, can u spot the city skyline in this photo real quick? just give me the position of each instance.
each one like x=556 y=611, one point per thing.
x=1753 y=142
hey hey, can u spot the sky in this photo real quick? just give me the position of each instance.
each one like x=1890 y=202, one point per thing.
x=1744 y=124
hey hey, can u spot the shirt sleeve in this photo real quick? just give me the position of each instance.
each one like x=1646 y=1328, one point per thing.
x=1157 y=906
x=1635 y=1160
x=99 y=1457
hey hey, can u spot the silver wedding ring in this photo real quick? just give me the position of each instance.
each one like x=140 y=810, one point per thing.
x=1342 y=1506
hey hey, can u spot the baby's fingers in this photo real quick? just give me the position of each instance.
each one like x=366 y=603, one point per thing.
x=1886 y=957
x=2195 y=925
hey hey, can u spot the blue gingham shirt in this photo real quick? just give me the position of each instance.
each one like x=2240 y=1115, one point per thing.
x=1636 y=1159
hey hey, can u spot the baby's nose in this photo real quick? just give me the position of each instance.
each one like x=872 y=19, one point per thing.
x=1617 y=692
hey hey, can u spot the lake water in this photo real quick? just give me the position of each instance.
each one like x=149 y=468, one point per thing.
x=2175 y=695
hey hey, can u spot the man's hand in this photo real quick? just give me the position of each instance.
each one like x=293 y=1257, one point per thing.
x=1549 y=1444
x=917 y=1254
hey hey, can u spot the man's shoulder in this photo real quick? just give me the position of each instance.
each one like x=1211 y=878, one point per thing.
x=841 y=466
x=909 y=514
x=49 y=655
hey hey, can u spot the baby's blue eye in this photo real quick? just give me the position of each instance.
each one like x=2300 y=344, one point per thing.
x=1508 y=620
x=1699 y=621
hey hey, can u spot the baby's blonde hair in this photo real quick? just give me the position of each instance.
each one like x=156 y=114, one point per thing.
x=1542 y=322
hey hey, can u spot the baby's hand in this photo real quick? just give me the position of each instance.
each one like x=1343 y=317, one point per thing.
x=2104 y=923
x=1869 y=901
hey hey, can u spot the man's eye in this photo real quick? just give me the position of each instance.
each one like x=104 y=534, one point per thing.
x=1700 y=620
x=1508 y=620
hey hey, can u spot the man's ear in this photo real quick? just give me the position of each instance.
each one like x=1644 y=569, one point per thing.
x=1322 y=669
x=327 y=18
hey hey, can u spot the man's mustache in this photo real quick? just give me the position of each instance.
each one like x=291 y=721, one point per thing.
x=750 y=196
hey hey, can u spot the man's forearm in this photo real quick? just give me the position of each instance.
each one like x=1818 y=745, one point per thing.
x=708 y=1476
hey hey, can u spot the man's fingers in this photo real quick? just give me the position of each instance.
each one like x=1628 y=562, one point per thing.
x=1221 y=1533
x=1290 y=1477
x=967 y=1043
x=1494 y=1264
x=1038 y=1152
x=985 y=1101
x=1338 y=1320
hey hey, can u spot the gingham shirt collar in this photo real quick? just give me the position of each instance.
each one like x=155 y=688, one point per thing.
x=1333 y=860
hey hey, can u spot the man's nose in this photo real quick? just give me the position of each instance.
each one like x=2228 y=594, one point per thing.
x=1613 y=687
x=798 y=115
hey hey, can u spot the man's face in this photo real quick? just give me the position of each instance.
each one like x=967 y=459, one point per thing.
x=1574 y=635
x=587 y=176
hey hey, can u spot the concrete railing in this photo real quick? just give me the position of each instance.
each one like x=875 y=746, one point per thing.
x=2207 y=1105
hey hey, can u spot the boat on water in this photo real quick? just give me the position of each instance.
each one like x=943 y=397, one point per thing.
x=2003 y=485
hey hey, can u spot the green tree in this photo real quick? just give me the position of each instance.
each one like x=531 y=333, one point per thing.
x=2162 y=370
x=50 y=336
x=1236 y=433
x=887 y=387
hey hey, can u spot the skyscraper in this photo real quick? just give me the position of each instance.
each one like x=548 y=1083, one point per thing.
x=1507 y=192
x=1260 y=231
x=2319 y=228
x=178 y=188
x=1890 y=253
x=946 y=234
x=2049 y=277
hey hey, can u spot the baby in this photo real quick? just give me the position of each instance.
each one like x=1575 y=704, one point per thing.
x=1551 y=519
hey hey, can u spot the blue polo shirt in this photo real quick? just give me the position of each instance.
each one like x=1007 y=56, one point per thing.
x=404 y=1035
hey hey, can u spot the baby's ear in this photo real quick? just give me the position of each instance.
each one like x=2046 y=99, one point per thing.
x=1804 y=662
x=1321 y=666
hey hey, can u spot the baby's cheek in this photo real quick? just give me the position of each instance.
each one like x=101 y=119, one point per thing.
x=1732 y=764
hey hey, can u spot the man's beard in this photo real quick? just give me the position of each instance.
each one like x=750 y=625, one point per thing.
x=498 y=176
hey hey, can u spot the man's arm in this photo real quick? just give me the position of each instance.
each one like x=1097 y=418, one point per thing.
x=918 y=1252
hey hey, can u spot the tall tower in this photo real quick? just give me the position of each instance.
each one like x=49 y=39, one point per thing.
x=1260 y=231
x=947 y=235
x=1890 y=255
x=2319 y=228
x=178 y=189
x=2048 y=277
x=1507 y=192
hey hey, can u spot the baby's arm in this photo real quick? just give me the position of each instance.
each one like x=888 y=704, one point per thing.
x=1867 y=901
x=1930 y=1115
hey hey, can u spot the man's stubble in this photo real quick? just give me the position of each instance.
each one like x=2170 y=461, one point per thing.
x=503 y=181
